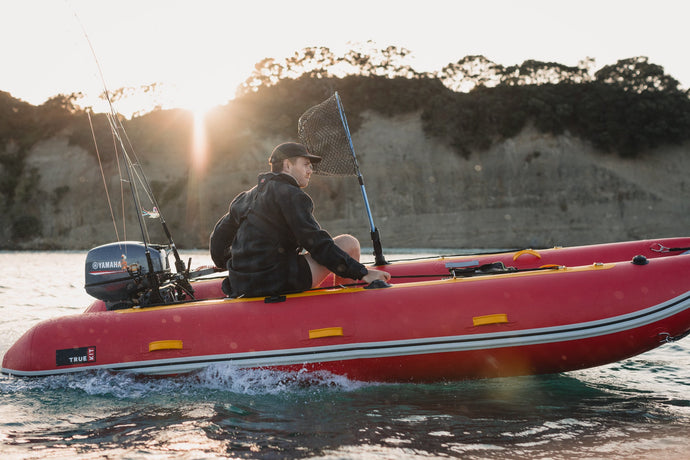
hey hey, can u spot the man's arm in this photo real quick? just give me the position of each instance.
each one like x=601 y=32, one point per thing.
x=298 y=214
x=221 y=240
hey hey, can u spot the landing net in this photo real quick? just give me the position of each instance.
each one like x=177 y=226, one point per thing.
x=322 y=129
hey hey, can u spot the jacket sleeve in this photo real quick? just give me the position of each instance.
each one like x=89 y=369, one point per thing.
x=221 y=240
x=299 y=216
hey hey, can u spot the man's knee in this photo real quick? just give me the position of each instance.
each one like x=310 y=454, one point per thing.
x=349 y=244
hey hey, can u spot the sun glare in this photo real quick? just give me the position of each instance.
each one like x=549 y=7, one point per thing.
x=134 y=102
x=199 y=101
x=199 y=138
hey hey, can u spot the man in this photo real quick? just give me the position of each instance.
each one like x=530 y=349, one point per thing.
x=262 y=238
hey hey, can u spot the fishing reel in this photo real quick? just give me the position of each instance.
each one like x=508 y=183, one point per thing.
x=131 y=274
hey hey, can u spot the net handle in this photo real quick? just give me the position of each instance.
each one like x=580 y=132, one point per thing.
x=379 y=259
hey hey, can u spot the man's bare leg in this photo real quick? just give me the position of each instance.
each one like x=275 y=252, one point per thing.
x=319 y=273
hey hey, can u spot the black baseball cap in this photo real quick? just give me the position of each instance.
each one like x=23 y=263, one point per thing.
x=291 y=150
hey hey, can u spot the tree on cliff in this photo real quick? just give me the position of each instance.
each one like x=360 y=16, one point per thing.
x=321 y=63
x=637 y=75
x=626 y=107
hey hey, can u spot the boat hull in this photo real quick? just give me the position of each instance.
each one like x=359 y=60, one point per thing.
x=525 y=322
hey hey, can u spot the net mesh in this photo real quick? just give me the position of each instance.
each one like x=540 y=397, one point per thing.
x=322 y=131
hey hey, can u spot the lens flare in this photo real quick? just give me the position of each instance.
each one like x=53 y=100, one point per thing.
x=199 y=139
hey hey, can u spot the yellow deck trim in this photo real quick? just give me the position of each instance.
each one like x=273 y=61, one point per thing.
x=326 y=332
x=557 y=270
x=498 y=318
x=165 y=345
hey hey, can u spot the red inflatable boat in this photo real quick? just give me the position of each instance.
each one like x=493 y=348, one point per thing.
x=446 y=318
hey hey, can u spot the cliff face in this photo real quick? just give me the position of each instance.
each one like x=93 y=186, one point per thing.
x=533 y=190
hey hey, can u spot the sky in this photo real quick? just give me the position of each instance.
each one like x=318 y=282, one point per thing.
x=201 y=50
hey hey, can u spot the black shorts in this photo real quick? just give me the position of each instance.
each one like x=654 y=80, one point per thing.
x=285 y=276
x=300 y=278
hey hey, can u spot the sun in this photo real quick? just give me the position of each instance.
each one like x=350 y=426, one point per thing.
x=197 y=100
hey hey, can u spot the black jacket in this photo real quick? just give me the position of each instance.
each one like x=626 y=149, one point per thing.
x=261 y=236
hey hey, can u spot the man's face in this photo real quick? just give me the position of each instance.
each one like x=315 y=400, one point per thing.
x=301 y=170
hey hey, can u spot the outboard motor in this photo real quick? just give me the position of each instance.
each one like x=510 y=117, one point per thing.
x=119 y=274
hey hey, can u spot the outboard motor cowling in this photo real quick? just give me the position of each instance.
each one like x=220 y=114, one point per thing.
x=118 y=273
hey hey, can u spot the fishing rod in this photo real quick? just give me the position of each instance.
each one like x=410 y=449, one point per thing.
x=117 y=127
x=155 y=212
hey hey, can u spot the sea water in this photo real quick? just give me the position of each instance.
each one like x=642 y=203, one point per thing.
x=637 y=408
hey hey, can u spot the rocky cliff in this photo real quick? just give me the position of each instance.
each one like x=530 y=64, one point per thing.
x=533 y=190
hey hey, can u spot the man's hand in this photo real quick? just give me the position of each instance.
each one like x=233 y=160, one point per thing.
x=374 y=275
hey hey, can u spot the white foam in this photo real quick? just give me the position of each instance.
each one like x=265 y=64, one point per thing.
x=221 y=377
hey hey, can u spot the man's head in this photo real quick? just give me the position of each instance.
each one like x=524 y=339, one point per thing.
x=289 y=150
x=293 y=159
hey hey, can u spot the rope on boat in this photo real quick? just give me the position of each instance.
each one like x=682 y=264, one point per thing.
x=473 y=252
x=478 y=271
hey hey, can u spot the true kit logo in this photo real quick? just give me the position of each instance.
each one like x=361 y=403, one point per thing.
x=82 y=355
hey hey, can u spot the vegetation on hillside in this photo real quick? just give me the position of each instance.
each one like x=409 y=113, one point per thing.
x=624 y=108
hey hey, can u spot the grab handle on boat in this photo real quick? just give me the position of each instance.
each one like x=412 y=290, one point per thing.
x=527 y=251
x=377 y=284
